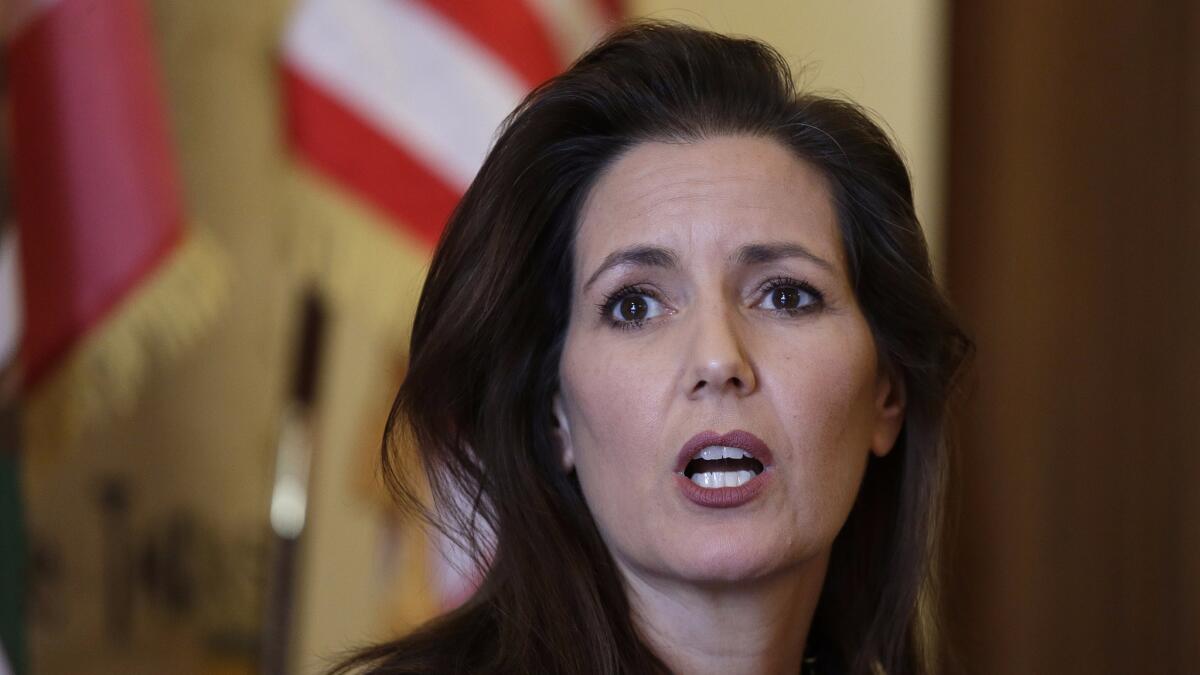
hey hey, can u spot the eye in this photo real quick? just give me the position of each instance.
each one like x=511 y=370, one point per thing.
x=789 y=296
x=630 y=307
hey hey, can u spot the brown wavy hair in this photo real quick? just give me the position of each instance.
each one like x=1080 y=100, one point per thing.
x=489 y=332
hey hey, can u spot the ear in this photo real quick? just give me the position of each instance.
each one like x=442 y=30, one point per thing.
x=562 y=435
x=890 y=400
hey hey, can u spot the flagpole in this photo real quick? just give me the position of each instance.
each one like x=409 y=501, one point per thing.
x=290 y=491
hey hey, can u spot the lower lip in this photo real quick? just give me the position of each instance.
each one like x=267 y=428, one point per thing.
x=722 y=498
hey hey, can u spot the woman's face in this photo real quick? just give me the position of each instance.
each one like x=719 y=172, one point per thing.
x=719 y=385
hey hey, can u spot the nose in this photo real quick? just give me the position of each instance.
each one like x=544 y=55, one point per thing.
x=720 y=362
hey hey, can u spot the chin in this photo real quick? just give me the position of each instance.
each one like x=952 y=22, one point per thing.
x=718 y=556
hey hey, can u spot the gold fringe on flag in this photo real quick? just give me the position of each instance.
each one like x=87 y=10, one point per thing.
x=105 y=372
x=365 y=263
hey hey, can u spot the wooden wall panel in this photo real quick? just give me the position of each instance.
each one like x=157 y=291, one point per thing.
x=1073 y=235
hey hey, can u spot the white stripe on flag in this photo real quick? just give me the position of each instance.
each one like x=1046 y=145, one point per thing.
x=10 y=296
x=411 y=74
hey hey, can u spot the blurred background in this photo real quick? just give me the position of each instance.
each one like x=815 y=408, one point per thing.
x=214 y=221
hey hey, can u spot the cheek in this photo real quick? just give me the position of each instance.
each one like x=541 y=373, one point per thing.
x=823 y=392
x=830 y=384
x=613 y=403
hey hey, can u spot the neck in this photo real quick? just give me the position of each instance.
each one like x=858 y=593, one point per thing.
x=740 y=628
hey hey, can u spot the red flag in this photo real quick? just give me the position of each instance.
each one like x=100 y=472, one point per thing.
x=112 y=280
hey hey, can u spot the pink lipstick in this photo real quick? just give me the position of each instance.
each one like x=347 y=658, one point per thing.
x=723 y=471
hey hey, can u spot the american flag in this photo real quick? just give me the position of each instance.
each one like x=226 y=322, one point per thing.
x=396 y=103
x=398 y=100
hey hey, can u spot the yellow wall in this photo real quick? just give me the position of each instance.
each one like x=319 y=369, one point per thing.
x=888 y=55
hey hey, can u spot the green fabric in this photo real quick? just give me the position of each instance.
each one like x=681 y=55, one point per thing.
x=12 y=555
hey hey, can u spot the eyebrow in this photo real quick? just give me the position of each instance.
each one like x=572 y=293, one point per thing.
x=769 y=252
x=750 y=254
x=642 y=256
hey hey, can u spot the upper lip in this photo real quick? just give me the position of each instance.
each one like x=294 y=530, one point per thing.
x=733 y=439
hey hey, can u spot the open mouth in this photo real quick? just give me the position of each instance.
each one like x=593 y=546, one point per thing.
x=718 y=466
x=723 y=471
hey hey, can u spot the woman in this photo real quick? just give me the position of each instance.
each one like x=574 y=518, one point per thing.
x=681 y=350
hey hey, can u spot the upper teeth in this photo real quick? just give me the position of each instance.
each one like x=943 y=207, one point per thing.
x=715 y=452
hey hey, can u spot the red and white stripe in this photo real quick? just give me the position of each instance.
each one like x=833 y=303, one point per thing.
x=398 y=101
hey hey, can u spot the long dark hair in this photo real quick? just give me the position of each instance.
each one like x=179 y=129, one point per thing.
x=488 y=335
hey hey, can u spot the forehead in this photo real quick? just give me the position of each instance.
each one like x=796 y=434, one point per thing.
x=708 y=197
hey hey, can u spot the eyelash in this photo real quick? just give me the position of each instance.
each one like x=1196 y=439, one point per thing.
x=769 y=286
x=818 y=299
x=613 y=299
